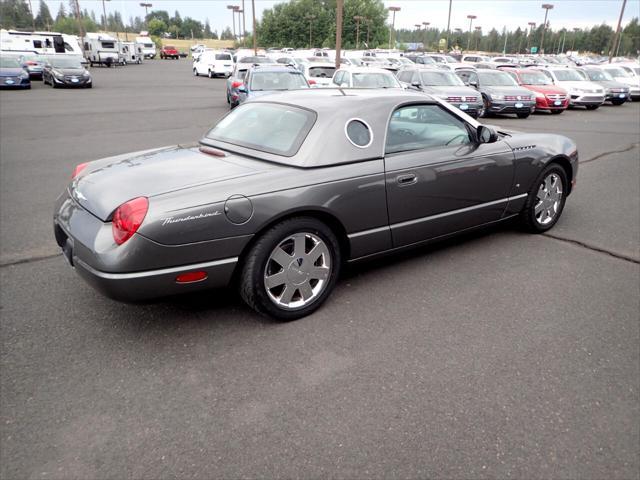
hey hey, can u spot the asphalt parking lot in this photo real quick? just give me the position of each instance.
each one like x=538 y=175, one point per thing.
x=499 y=354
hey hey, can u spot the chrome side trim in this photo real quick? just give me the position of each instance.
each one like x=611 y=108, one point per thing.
x=153 y=273
x=456 y=212
x=362 y=233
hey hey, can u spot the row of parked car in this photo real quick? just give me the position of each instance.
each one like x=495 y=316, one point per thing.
x=17 y=71
x=506 y=89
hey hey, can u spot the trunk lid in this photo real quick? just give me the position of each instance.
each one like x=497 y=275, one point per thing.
x=108 y=183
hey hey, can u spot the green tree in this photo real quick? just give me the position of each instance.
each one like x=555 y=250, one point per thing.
x=15 y=14
x=156 y=27
x=207 y=29
x=226 y=34
x=44 y=20
x=61 y=12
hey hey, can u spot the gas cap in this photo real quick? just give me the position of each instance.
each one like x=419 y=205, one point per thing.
x=238 y=209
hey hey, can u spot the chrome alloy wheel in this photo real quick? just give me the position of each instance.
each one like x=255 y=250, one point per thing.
x=548 y=199
x=297 y=271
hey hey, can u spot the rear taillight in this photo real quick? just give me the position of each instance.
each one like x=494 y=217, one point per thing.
x=79 y=168
x=236 y=84
x=31 y=62
x=127 y=219
x=312 y=82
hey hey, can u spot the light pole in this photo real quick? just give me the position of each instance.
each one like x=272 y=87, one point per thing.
x=564 y=37
x=104 y=13
x=575 y=34
x=146 y=6
x=368 y=22
x=471 y=18
x=547 y=7
x=233 y=9
x=426 y=24
x=478 y=35
x=358 y=18
x=244 y=27
x=617 y=36
x=339 y=8
x=239 y=11
x=532 y=25
x=253 y=13
x=310 y=18
x=393 y=25
x=448 y=25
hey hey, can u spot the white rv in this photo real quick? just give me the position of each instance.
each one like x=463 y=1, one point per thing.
x=128 y=53
x=147 y=46
x=101 y=49
x=43 y=43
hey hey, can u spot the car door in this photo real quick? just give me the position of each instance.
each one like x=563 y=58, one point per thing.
x=439 y=178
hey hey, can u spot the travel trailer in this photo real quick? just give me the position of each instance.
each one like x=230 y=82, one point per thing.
x=43 y=43
x=128 y=53
x=147 y=46
x=101 y=49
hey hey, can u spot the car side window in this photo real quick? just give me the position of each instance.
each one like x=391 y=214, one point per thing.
x=405 y=77
x=338 y=78
x=549 y=76
x=417 y=127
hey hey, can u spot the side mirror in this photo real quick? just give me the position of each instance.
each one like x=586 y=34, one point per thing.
x=416 y=85
x=473 y=83
x=486 y=134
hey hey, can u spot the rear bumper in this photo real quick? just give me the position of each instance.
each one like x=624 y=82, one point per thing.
x=139 y=269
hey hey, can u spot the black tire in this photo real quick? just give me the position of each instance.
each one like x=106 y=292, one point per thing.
x=486 y=105
x=89 y=86
x=195 y=73
x=618 y=101
x=528 y=215
x=523 y=115
x=252 y=284
x=593 y=107
x=556 y=112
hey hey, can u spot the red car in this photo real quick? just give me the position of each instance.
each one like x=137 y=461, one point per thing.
x=548 y=97
x=169 y=52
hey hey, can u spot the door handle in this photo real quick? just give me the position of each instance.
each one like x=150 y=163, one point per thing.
x=404 y=180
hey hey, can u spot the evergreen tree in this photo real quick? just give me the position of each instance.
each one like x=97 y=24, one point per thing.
x=44 y=20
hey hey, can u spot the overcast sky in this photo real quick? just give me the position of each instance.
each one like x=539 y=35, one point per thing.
x=491 y=13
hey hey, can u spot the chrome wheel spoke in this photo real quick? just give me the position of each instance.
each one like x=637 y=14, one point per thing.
x=547 y=183
x=306 y=291
x=281 y=257
x=276 y=280
x=317 y=250
x=299 y=245
x=319 y=273
x=287 y=294
x=538 y=208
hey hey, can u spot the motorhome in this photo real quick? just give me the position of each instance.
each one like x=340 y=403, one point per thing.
x=147 y=45
x=128 y=53
x=43 y=43
x=101 y=49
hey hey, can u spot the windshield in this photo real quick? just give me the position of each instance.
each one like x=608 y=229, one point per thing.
x=567 y=75
x=266 y=127
x=62 y=62
x=374 y=80
x=277 y=81
x=496 y=79
x=534 y=78
x=220 y=56
x=441 y=79
x=437 y=59
x=33 y=58
x=617 y=72
x=321 y=72
x=169 y=47
x=6 y=62
x=598 y=75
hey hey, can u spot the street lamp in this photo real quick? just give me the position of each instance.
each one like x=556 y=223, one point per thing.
x=240 y=34
x=393 y=25
x=575 y=34
x=310 y=18
x=471 y=18
x=104 y=13
x=358 y=18
x=368 y=22
x=532 y=25
x=233 y=9
x=426 y=24
x=547 y=7
x=478 y=35
x=146 y=6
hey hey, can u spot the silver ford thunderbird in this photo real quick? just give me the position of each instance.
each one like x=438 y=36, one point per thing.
x=287 y=188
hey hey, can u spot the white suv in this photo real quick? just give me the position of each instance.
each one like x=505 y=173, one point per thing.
x=581 y=92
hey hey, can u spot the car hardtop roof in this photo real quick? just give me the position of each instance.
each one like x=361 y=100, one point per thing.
x=358 y=69
x=270 y=67
x=325 y=100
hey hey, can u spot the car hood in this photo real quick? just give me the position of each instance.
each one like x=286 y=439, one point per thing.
x=506 y=90
x=10 y=72
x=610 y=84
x=546 y=89
x=70 y=71
x=108 y=183
x=582 y=85
x=452 y=91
